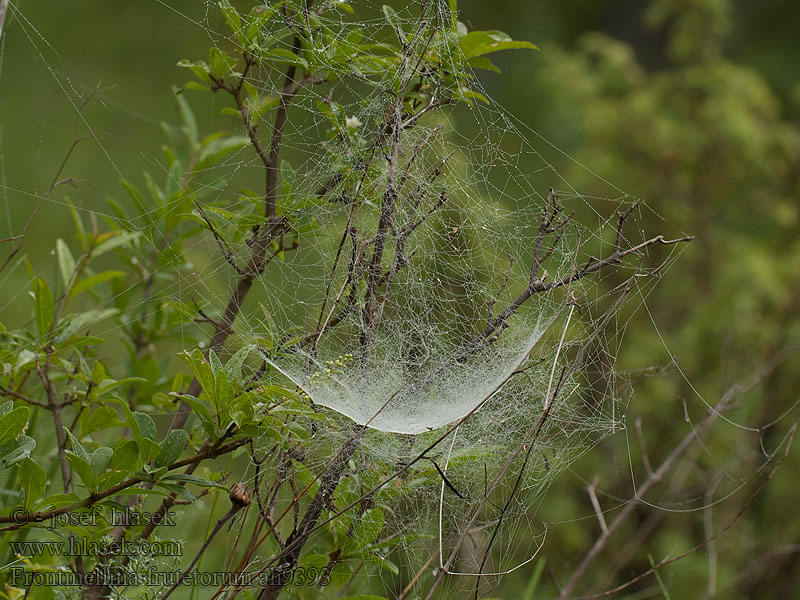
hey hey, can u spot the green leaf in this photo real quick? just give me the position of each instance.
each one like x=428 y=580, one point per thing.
x=42 y=592
x=481 y=62
x=179 y=490
x=258 y=17
x=453 y=4
x=194 y=85
x=214 y=361
x=102 y=417
x=314 y=561
x=223 y=391
x=533 y=582
x=76 y=219
x=282 y=55
x=189 y=122
x=149 y=474
x=202 y=371
x=147 y=447
x=23 y=358
x=82 y=468
x=66 y=263
x=199 y=68
x=394 y=20
x=479 y=43
x=6 y=407
x=100 y=459
x=43 y=306
x=13 y=424
x=342 y=5
x=220 y=63
x=109 y=479
x=288 y=179
x=125 y=456
x=109 y=384
x=142 y=491
x=467 y=95
x=147 y=427
x=232 y=17
x=77 y=447
x=32 y=480
x=199 y=408
x=216 y=150
x=118 y=239
x=171 y=447
x=16 y=451
x=71 y=324
x=234 y=365
x=369 y=527
x=191 y=479
x=387 y=564
x=88 y=283
x=56 y=501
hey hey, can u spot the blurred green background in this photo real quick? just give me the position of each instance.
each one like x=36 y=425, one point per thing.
x=692 y=105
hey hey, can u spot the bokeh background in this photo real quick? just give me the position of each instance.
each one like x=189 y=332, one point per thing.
x=691 y=105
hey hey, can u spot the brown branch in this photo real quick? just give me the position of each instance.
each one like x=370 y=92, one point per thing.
x=55 y=408
x=57 y=181
x=23 y=397
x=748 y=503
x=223 y=245
x=240 y=498
x=274 y=227
x=598 y=511
x=725 y=403
x=370 y=313
x=537 y=285
x=19 y=521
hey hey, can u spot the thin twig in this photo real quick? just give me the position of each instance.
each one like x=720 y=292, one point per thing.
x=3 y=8
x=694 y=434
x=596 y=505
x=704 y=543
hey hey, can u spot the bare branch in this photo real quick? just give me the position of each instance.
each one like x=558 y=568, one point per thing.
x=748 y=503
x=596 y=505
x=536 y=284
x=696 y=433
x=44 y=515
x=223 y=245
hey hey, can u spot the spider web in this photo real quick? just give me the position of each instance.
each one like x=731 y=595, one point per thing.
x=475 y=188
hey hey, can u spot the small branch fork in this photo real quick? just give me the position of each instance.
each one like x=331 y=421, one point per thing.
x=58 y=180
x=725 y=403
x=553 y=226
x=17 y=521
x=747 y=504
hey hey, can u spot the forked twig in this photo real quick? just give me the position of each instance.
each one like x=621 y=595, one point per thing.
x=725 y=403
x=704 y=543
